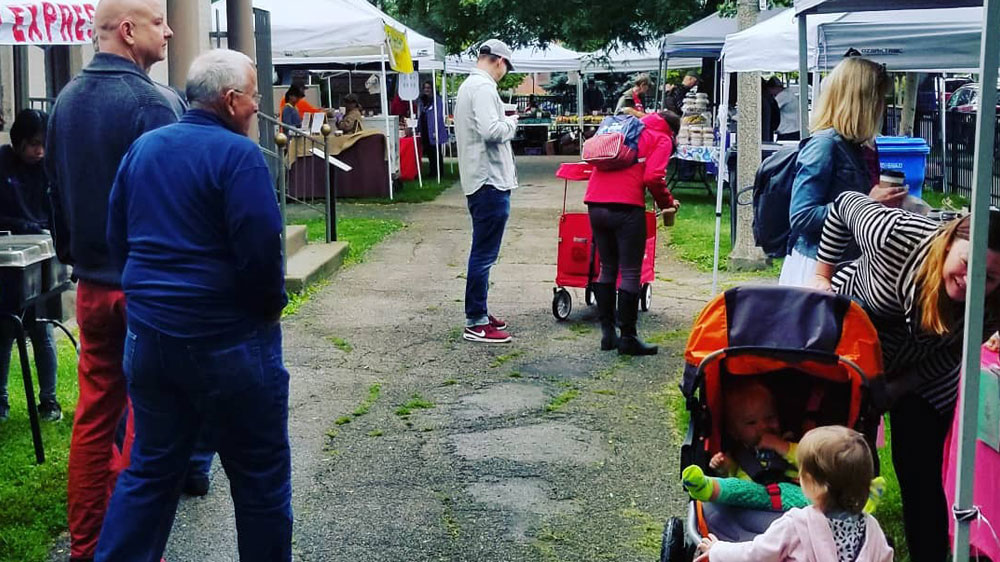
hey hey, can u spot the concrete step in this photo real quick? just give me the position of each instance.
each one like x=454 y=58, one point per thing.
x=312 y=263
x=295 y=238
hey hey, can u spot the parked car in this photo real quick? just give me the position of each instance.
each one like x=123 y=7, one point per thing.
x=952 y=84
x=964 y=99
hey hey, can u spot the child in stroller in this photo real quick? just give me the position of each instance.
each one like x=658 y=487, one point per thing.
x=819 y=356
x=835 y=468
x=760 y=470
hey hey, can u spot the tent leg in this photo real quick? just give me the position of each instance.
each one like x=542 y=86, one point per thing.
x=722 y=172
x=945 y=186
x=416 y=150
x=803 y=77
x=388 y=130
x=975 y=293
x=579 y=108
x=437 y=140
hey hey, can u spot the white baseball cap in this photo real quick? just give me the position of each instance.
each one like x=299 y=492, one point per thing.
x=498 y=48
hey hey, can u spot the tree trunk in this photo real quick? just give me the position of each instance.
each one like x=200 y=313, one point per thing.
x=746 y=255
x=909 y=112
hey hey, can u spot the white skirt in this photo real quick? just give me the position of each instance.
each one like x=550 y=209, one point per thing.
x=797 y=270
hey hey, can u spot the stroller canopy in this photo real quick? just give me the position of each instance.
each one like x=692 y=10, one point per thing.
x=758 y=330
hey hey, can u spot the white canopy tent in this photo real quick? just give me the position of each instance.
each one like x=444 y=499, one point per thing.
x=332 y=31
x=631 y=59
x=917 y=41
x=705 y=37
x=551 y=58
x=963 y=511
x=912 y=40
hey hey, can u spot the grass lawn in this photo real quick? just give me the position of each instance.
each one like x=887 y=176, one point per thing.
x=33 y=498
x=412 y=192
x=693 y=233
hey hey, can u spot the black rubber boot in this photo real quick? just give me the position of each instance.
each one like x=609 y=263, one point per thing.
x=604 y=293
x=628 y=315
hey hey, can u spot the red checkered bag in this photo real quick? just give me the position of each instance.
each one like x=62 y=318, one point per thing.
x=615 y=145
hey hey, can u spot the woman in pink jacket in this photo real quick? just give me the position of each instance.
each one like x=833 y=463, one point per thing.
x=617 y=205
x=835 y=470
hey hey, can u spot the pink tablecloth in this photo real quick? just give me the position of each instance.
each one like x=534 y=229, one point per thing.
x=986 y=493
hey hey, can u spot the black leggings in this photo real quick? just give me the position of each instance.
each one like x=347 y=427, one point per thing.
x=918 y=434
x=620 y=234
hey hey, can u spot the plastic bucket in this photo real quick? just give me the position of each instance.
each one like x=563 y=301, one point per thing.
x=907 y=155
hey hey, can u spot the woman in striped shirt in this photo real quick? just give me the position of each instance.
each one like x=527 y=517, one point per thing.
x=911 y=280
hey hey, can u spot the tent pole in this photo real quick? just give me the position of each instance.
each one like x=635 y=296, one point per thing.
x=579 y=108
x=437 y=133
x=942 y=86
x=975 y=293
x=722 y=170
x=388 y=130
x=329 y=90
x=803 y=77
x=416 y=151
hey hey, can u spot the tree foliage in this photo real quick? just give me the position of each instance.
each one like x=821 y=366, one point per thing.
x=579 y=24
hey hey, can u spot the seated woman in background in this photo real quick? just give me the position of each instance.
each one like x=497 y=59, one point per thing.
x=290 y=115
x=24 y=209
x=911 y=280
x=351 y=122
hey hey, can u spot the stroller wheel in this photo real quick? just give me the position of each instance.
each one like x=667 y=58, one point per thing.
x=562 y=304
x=646 y=297
x=589 y=297
x=673 y=548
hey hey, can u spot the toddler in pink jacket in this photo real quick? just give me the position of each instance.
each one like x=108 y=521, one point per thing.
x=835 y=471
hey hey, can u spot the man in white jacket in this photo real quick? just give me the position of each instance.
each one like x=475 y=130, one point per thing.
x=486 y=167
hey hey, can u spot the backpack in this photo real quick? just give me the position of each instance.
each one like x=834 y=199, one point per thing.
x=615 y=145
x=772 y=198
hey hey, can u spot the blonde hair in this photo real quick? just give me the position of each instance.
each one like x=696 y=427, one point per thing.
x=853 y=100
x=838 y=460
x=938 y=314
x=642 y=79
x=932 y=297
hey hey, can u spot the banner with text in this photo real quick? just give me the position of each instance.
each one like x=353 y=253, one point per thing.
x=399 y=50
x=69 y=22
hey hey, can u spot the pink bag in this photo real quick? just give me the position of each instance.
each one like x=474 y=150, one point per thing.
x=615 y=145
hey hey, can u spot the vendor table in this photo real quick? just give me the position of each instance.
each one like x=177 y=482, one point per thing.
x=702 y=157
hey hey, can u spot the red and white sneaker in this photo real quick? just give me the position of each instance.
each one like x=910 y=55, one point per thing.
x=497 y=323
x=486 y=334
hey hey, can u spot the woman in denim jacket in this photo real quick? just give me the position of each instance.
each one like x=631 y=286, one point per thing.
x=838 y=157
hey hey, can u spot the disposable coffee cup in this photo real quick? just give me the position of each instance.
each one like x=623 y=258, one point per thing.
x=669 y=216
x=891 y=179
x=510 y=109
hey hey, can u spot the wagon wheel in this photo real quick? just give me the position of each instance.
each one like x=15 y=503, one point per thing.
x=646 y=297
x=562 y=304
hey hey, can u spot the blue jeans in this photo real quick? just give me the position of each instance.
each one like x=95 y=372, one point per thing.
x=44 y=347
x=489 y=208
x=237 y=388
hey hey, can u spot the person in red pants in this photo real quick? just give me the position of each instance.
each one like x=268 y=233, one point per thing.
x=95 y=119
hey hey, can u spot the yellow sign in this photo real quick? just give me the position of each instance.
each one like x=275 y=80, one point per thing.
x=399 y=51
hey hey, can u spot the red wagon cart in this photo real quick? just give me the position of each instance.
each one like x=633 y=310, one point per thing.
x=578 y=262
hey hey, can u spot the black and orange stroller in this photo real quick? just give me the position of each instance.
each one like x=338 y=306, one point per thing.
x=819 y=355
